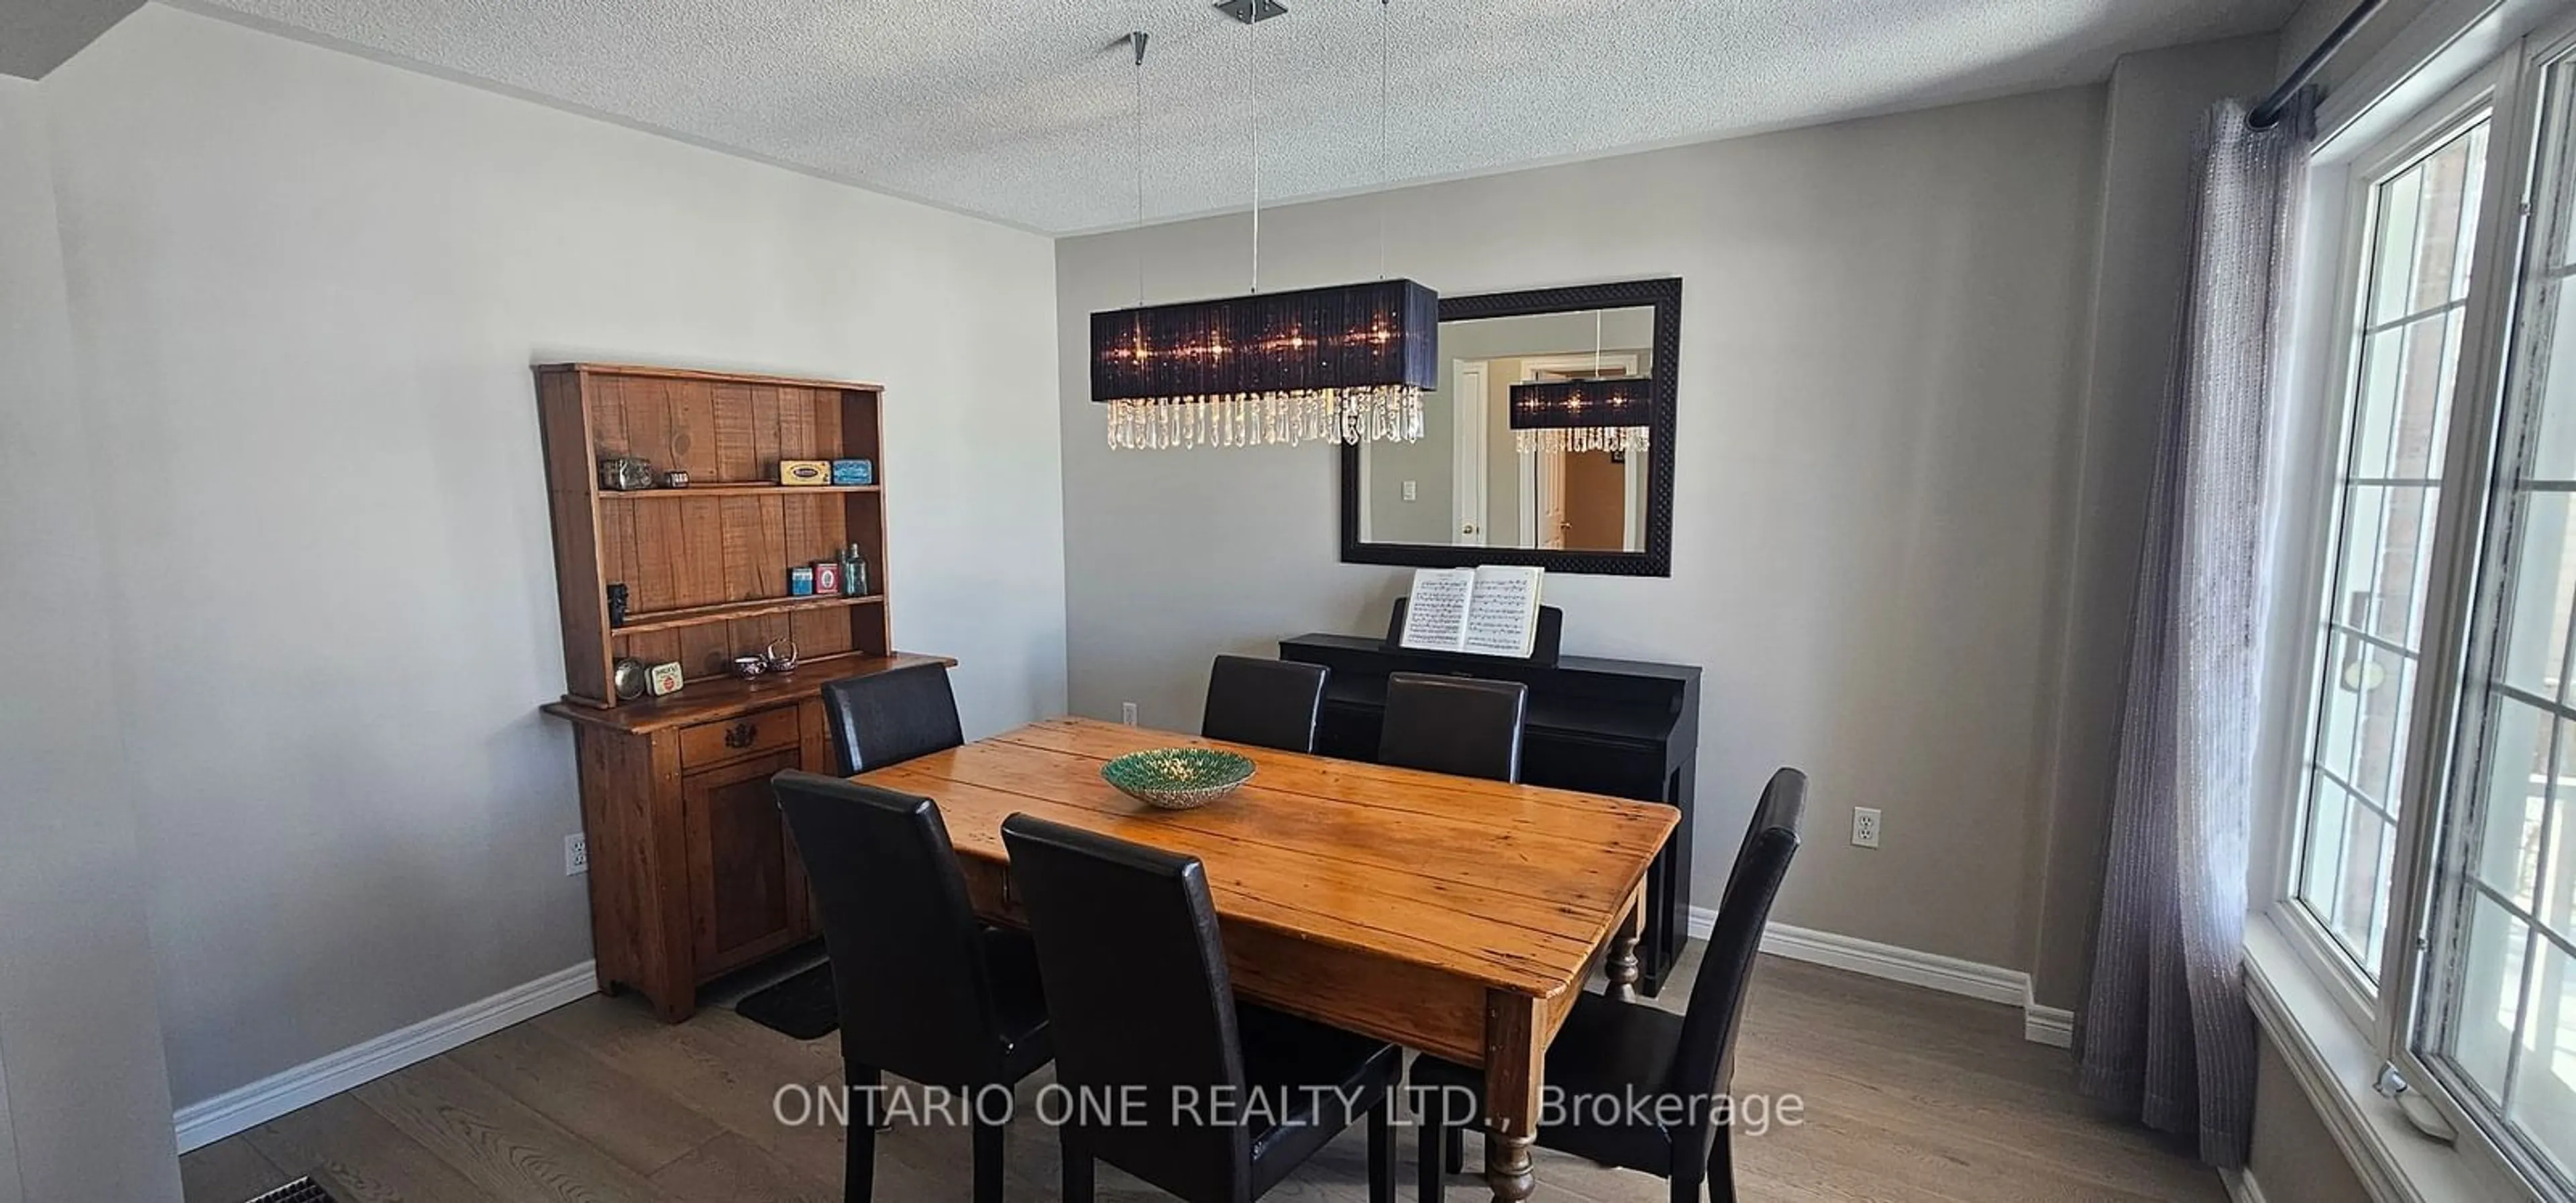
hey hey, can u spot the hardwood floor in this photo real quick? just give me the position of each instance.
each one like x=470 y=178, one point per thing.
x=1907 y=1094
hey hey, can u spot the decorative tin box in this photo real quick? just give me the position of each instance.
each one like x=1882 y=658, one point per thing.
x=827 y=577
x=625 y=473
x=854 y=472
x=804 y=472
x=664 y=678
x=800 y=581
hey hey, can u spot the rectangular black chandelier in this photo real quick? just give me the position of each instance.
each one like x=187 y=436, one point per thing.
x=1341 y=364
x=1611 y=413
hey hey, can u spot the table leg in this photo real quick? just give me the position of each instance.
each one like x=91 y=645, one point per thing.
x=1514 y=1064
x=1623 y=969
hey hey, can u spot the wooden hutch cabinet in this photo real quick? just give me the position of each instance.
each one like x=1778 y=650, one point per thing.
x=691 y=872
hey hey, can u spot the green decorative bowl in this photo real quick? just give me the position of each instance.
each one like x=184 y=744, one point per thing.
x=1178 y=778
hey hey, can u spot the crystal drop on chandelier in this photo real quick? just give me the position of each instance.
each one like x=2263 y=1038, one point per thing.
x=1382 y=414
x=1562 y=439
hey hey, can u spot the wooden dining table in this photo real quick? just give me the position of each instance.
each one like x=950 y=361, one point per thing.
x=1452 y=915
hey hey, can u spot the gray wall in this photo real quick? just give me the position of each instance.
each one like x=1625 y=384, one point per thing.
x=1880 y=370
x=308 y=286
x=37 y=35
x=11 y=1188
x=2294 y=1157
x=2156 y=103
x=87 y=1105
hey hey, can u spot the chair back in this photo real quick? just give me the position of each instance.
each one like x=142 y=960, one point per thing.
x=908 y=973
x=1138 y=997
x=890 y=717
x=1272 y=703
x=1704 y=1064
x=1456 y=725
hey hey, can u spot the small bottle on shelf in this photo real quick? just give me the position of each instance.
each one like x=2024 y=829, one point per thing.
x=854 y=571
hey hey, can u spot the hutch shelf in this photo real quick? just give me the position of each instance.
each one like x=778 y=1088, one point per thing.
x=691 y=873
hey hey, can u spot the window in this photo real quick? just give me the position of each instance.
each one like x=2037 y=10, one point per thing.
x=2404 y=354
x=2430 y=829
x=2499 y=1022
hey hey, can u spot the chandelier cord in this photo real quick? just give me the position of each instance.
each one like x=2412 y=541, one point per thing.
x=1252 y=117
x=1385 y=172
x=1140 y=168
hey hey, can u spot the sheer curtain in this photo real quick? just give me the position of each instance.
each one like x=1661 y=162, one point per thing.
x=2165 y=1035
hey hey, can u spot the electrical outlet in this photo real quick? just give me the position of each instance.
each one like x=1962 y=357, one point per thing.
x=576 y=854
x=1865 y=827
x=1413 y=490
x=1127 y=713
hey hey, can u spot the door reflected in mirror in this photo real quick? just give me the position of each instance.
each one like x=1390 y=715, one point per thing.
x=1467 y=483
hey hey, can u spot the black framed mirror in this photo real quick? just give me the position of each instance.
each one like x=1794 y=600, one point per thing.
x=1476 y=491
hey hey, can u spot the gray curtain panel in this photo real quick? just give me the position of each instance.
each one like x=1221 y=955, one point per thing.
x=2165 y=1035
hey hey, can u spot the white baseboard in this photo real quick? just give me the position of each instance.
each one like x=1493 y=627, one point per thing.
x=1869 y=958
x=203 y=1123
x=1932 y=971
x=2052 y=1026
x=2241 y=1186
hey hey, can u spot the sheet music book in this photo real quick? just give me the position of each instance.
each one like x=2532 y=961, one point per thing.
x=1435 y=617
x=1487 y=611
x=1502 y=612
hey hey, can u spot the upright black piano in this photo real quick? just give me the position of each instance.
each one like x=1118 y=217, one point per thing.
x=1618 y=727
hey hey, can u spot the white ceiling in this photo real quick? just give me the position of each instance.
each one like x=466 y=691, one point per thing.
x=1023 y=112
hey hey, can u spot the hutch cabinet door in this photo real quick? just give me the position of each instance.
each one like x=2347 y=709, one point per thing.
x=744 y=893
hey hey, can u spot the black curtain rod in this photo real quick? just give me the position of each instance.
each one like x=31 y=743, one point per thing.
x=2268 y=113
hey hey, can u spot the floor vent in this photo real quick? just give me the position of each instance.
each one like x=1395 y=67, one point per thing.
x=302 y=1190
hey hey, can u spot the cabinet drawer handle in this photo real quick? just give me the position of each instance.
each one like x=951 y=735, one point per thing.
x=740 y=735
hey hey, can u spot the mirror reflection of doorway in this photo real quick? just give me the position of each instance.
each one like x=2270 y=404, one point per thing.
x=1582 y=500
x=1474 y=422
x=1596 y=500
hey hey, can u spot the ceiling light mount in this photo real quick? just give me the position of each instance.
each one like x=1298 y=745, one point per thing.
x=1252 y=12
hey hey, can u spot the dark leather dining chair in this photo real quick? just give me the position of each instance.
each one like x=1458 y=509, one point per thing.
x=1144 y=1007
x=923 y=991
x=890 y=717
x=1629 y=1051
x=1272 y=703
x=1457 y=725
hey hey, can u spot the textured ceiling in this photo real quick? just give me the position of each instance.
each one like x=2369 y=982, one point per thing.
x=1023 y=111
